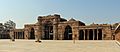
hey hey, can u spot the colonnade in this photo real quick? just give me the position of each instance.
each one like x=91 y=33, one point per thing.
x=19 y=35
x=4 y=36
x=90 y=34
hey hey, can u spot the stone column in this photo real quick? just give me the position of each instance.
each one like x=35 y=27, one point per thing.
x=18 y=35
x=15 y=35
x=97 y=34
x=88 y=34
x=102 y=34
x=26 y=34
x=84 y=34
x=55 y=33
x=36 y=35
x=75 y=33
x=55 y=29
x=22 y=35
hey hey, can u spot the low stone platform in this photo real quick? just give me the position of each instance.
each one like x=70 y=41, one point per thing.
x=59 y=46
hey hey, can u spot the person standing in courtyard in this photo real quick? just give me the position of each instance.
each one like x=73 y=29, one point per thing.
x=12 y=35
x=37 y=37
x=74 y=38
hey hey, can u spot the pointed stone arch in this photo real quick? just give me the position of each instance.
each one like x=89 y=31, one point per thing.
x=32 y=33
x=68 y=33
x=47 y=30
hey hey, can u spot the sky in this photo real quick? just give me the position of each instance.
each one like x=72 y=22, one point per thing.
x=88 y=11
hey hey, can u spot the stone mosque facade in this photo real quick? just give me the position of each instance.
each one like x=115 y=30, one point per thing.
x=53 y=27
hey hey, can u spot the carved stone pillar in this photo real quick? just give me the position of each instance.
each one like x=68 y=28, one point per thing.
x=88 y=34
x=75 y=33
x=84 y=34
x=37 y=35
x=55 y=33
x=26 y=34
x=55 y=29
x=103 y=34
x=97 y=34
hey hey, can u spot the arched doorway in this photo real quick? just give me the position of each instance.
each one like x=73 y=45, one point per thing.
x=32 y=33
x=81 y=35
x=68 y=33
x=48 y=31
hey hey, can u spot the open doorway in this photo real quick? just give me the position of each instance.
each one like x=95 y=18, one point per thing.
x=68 y=33
x=32 y=33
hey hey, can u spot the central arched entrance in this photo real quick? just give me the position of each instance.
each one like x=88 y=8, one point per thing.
x=32 y=33
x=68 y=33
x=48 y=31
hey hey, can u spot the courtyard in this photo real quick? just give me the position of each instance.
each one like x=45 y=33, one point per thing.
x=59 y=46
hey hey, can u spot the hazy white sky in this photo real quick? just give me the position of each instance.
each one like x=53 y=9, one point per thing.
x=87 y=11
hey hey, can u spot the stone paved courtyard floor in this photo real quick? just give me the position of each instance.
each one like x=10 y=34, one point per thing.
x=59 y=46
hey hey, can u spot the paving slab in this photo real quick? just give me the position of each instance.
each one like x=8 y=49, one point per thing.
x=59 y=46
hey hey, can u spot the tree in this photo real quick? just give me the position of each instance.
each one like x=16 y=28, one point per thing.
x=9 y=25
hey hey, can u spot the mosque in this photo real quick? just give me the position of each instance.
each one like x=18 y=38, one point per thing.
x=53 y=27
